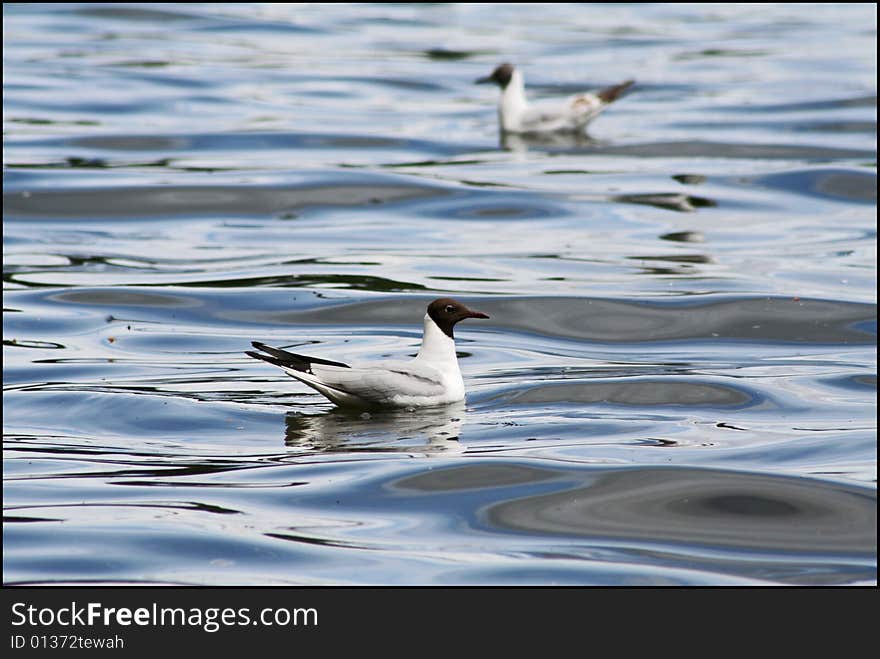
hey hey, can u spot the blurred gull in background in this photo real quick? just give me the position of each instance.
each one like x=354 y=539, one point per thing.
x=517 y=115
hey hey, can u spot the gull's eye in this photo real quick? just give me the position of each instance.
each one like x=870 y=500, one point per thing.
x=449 y=308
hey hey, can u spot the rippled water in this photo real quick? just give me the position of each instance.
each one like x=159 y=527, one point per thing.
x=678 y=381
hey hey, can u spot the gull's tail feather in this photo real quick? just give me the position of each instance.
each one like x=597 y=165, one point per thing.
x=291 y=360
x=611 y=94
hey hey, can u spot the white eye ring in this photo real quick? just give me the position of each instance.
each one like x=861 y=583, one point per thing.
x=449 y=308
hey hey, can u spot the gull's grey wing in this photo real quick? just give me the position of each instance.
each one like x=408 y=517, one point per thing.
x=544 y=118
x=382 y=381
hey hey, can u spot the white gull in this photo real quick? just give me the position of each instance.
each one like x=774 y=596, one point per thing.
x=433 y=377
x=517 y=115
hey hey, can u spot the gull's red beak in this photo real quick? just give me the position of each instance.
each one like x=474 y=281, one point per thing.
x=476 y=314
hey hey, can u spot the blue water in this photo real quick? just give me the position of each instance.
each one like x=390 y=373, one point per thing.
x=678 y=381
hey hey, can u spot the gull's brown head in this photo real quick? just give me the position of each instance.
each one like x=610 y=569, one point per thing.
x=500 y=76
x=446 y=312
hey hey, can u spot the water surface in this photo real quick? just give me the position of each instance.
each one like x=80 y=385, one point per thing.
x=678 y=381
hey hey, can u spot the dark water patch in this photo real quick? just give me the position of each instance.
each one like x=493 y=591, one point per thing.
x=18 y=519
x=146 y=202
x=674 y=258
x=114 y=142
x=684 y=237
x=338 y=281
x=39 y=121
x=467 y=278
x=451 y=55
x=94 y=163
x=861 y=383
x=724 y=150
x=644 y=392
x=703 y=507
x=841 y=126
x=757 y=319
x=242 y=141
x=436 y=163
x=134 y=14
x=258 y=26
x=690 y=179
x=842 y=185
x=668 y=201
x=122 y=298
x=144 y=64
x=707 y=53
x=24 y=343
x=469 y=477
x=502 y=208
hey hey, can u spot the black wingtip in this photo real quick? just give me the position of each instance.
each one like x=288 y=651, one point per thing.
x=287 y=359
x=276 y=357
x=265 y=358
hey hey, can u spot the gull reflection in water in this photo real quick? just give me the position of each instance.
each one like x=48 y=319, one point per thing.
x=520 y=142
x=419 y=430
